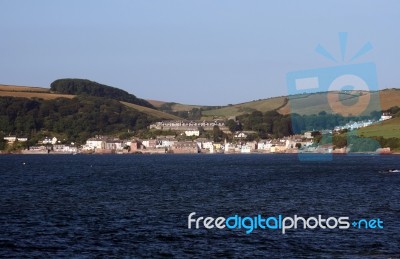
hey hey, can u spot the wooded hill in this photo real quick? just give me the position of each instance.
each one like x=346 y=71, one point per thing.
x=90 y=88
x=74 y=110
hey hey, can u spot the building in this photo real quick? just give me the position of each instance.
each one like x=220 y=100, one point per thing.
x=385 y=116
x=114 y=144
x=204 y=144
x=245 y=149
x=149 y=143
x=190 y=133
x=134 y=145
x=240 y=135
x=64 y=149
x=11 y=139
x=95 y=143
x=188 y=125
x=165 y=142
x=308 y=135
x=185 y=147
x=48 y=140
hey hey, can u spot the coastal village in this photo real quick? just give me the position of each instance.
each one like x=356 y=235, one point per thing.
x=187 y=139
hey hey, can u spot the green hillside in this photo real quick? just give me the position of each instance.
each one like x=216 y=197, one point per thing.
x=45 y=94
x=152 y=112
x=75 y=119
x=238 y=109
x=385 y=129
x=86 y=87
x=308 y=104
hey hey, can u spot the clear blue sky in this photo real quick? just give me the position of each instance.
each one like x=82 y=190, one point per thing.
x=200 y=52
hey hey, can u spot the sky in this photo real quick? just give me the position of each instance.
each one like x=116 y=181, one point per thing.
x=209 y=52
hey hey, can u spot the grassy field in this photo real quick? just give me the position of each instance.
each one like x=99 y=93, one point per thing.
x=386 y=129
x=42 y=95
x=15 y=88
x=175 y=107
x=308 y=104
x=260 y=105
x=30 y=92
x=315 y=103
x=152 y=112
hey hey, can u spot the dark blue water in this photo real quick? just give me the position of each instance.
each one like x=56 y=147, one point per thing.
x=137 y=206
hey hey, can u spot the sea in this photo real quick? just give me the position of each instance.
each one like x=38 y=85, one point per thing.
x=138 y=206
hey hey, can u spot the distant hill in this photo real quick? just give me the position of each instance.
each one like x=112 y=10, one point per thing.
x=306 y=104
x=84 y=86
x=248 y=107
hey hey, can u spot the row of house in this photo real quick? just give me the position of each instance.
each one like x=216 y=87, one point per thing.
x=361 y=124
x=46 y=140
x=168 y=144
x=12 y=139
x=187 y=125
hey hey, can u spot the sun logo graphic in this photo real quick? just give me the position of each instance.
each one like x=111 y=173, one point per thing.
x=349 y=90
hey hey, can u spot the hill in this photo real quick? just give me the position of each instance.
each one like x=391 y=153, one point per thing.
x=305 y=104
x=238 y=109
x=74 y=119
x=87 y=87
x=308 y=104
x=46 y=94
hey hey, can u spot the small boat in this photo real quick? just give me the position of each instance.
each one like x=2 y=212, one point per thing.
x=389 y=171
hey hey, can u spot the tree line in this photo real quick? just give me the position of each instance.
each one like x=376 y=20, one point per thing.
x=90 y=88
x=76 y=119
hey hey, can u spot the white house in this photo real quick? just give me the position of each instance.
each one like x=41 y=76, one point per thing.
x=385 y=116
x=308 y=134
x=265 y=145
x=190 y=133
x=10 y=138
x=14 y=138
x=47 y=140
x=65 y=149
x=203 y=143
x=240 y=134
x=95 y=143
x=165 y=142
x=245 y=149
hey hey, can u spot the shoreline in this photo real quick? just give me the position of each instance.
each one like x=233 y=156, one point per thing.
x=159 y=153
